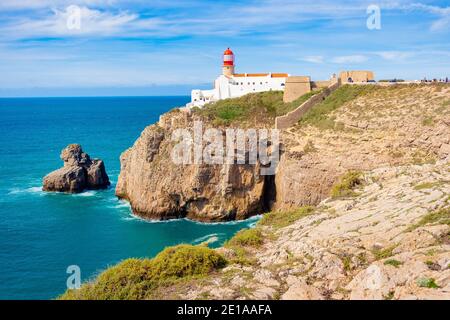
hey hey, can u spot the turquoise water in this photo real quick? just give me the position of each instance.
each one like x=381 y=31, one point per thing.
x=41 y=234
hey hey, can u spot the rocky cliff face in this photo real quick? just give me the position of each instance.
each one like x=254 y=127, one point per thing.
x=79 y=173
x=389 y=126
x=386 y=126
x=158 y=188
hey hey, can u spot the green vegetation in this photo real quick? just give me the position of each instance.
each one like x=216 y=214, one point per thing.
x=383 y=253
x=246 y=238
x=347 y=262
x=137 y=278
x=393 y=262
x=261 y=106
x=389 y=296
x=420 y=157
x=441 y=216
x=345 y=186
x=319 y=115
x=428 y=121
x=283 y=219
x=309 y=147
x=427 y=283
x=427 y=185
x=287 y=107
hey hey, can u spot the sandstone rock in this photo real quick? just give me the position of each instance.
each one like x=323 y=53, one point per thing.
x=79 y=173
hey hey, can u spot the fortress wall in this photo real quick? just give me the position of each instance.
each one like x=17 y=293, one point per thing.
x=320 y=84
x=295 y=87
x=291 y=118
x=357 y=76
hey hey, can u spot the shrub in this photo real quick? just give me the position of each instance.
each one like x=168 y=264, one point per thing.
x=393 y=262
x=428 y=121
x=246 y=238
x=427 y=185
x=136 y=278
x=427 y=283
x=346 y=184
x=441 y=216
x=283 y=219
x=383 y=253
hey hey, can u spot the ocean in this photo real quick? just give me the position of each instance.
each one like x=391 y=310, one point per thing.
x=41 y=234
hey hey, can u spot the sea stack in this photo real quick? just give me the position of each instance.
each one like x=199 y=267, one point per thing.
x=79 y=173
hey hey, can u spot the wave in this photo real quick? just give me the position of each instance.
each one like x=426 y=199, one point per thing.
x=251 y=222
x=90 y=193
x=37 y=190
x=210 y=238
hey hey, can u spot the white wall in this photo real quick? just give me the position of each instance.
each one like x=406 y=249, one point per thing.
x=235 y=87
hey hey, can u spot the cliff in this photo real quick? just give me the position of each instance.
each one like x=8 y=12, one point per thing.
x=356 y=128
x=360 y=203
x=159 y=188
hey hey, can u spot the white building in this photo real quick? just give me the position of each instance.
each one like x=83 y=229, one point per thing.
x=232 y=85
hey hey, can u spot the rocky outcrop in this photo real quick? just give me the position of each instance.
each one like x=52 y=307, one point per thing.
x=158 y=188
x=79 y=173
x=391 y=126
x=390 y=241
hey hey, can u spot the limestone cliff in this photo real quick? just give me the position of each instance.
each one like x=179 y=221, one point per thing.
x=158 y=188
x=360 y=128
x=371 y=162
x=375 y=127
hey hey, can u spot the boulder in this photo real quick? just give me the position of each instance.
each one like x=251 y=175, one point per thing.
x=79 y=173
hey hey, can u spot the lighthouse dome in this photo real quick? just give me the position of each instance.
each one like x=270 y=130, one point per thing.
x=227 y=52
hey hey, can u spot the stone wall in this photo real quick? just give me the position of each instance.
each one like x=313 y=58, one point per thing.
x=356 y=76
x=295 y=87
x=320 y=84
x=291 y=118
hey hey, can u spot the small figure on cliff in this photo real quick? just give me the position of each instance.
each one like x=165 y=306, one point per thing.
x=79 y=173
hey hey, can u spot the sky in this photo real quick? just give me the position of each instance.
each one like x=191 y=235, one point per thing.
x=156 y=47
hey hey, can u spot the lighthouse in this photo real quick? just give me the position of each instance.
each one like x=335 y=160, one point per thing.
x=232 y=85
x=228 y=63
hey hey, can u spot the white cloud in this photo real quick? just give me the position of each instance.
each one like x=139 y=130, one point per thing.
x=350 y=59
x=395 y=55
x=313 y=59
x=443 y=13
x=93 y=22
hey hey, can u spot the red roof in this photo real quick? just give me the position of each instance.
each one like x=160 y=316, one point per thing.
x=228 y=52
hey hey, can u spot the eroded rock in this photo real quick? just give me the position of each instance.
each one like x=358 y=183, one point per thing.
x=79 y=173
